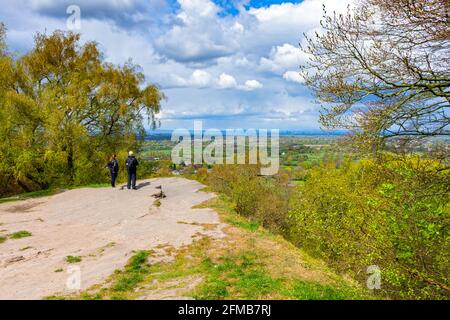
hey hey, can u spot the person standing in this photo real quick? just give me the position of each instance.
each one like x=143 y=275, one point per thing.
x=131 y=164
x=113 y=166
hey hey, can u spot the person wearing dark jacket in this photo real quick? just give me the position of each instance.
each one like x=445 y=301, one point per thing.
x=131 y=164
x=113 y=166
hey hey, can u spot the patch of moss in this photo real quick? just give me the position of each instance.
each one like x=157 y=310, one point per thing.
x=20 y=234
x=73 y=259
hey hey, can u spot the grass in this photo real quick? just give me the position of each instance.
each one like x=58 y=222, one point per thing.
x=133 y=273
x=157 y=203
x=20 y=234
x=226 y=207
x=73 y=259
x=236 y=276
x=2 y=239
x=92 y=185
x=121 y=283
x=311 y=291
x=241 y=223
x=268 y=267
x=28 y=195
x=49 y=192
x=59 y=270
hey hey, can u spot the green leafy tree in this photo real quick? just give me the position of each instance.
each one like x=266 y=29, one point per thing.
x=64 y=110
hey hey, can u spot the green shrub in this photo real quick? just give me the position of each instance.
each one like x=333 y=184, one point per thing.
x=20 y=234
x=73 y=259
x=262 y=199
x=393 y=213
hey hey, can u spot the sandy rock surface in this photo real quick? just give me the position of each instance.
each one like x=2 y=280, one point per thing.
x=102 y=226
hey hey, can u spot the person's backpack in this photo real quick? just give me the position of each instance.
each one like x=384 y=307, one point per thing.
x=115 y=165
x=131 y=163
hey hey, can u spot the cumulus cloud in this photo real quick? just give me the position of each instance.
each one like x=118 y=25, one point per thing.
x=226 y=81
x=199 y=34
x=198 y=78
x=124 y=13
x=225 y=109
x=291 y=16
x=252 y=85
x=202 y=57
x=293 y=76
x=191 y=9
x=282 y=58
x=201 y=78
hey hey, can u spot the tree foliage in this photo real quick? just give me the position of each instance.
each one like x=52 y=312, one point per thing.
x=264 y=200
x=393 y=214
x=383 y=69
x=63 y=110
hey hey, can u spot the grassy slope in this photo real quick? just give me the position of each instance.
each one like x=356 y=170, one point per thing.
x=49 y=192
x=249 y=263
x=28 y=195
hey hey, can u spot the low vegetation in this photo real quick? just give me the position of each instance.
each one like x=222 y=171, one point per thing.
x=29 y=195
x=20 y=234
x=392 y=213
x=73 y=259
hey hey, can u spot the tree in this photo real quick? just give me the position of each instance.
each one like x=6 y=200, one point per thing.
x=383 y=69
x=64 y=110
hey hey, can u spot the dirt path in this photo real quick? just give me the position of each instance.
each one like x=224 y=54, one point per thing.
x=102 y=226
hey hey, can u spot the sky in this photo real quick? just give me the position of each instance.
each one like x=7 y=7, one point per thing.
x=231 y=64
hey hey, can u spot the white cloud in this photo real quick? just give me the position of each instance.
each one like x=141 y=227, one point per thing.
x=297 y=15
x=197 y=8
x=200 y=78
x=282 y=58
x=226 y=81
x=252 y=85
x=293 y=76
x=238 y=27
x=194 y=49
x=123 y=13
x=198 y=35
x=203 y=79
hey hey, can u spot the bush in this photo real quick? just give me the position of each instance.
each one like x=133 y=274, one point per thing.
x=202 y=174
x=393 y=213
x=263 y=199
